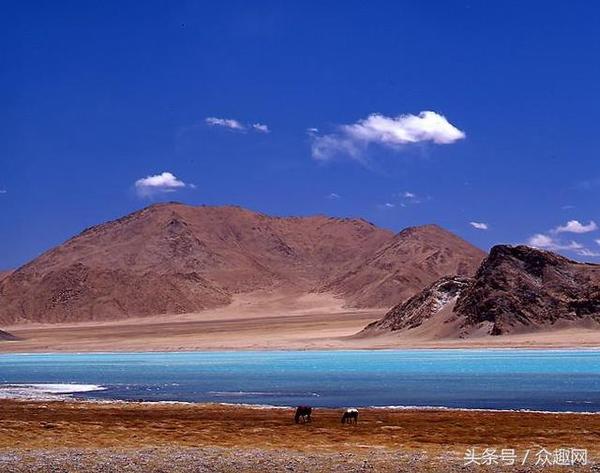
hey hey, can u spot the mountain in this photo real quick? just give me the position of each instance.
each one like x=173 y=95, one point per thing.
x=423 y=306
x=410 y=261
x=516 y=289
x=173 y=258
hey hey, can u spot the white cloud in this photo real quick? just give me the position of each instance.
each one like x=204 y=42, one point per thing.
x=546 y=242
x=387 y=205
x=334 y=196
x=225 y=122
x=552 y=242
x=410 y=198
x=588 y=252
x=427 y=126
x=574 y=226
x=261 y=128
x=236 y=125
x=385 y=131
x=159 y=183
x=479 y=225
x=3 y=191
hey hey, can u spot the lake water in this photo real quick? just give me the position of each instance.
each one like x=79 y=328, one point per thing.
x=547 y=380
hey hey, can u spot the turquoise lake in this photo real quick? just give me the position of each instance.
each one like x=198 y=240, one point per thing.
x=547 y=380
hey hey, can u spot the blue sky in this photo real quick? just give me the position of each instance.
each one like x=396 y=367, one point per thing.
x=98 y=96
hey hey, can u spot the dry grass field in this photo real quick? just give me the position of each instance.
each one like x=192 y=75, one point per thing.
x=209 y=437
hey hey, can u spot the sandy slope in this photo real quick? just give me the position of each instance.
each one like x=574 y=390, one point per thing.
x=264 y=321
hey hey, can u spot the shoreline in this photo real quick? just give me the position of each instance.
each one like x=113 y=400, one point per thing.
x=72 y=397
x=446 y=345
x=399 y=408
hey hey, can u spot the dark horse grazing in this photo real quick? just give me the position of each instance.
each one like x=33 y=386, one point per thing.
x=350 y=416
x=303 y=412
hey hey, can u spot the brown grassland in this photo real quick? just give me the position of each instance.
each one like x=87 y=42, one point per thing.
x=387 y=440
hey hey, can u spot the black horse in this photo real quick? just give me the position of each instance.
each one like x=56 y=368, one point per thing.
x=350 y=416
x=303 y=412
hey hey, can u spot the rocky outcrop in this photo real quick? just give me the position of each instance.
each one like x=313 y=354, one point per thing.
x=516 y=289
x=520 y=288
x=422 y=306
x=5 y=336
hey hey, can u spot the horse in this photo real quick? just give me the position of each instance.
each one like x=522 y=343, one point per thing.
x=350 y=416
x=303 y=412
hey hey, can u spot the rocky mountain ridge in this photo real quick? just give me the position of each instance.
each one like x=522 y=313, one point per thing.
x=516 y=289
x=173 y=258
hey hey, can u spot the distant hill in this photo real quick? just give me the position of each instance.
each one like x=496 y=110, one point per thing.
x=173 y=258
x=404 y=265
x=516 y=289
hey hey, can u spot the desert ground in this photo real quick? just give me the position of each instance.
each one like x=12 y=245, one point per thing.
x=266 y=321
x=88 y=436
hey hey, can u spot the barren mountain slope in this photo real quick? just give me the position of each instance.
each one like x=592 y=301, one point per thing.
x=403 y=266
x=173 y=258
